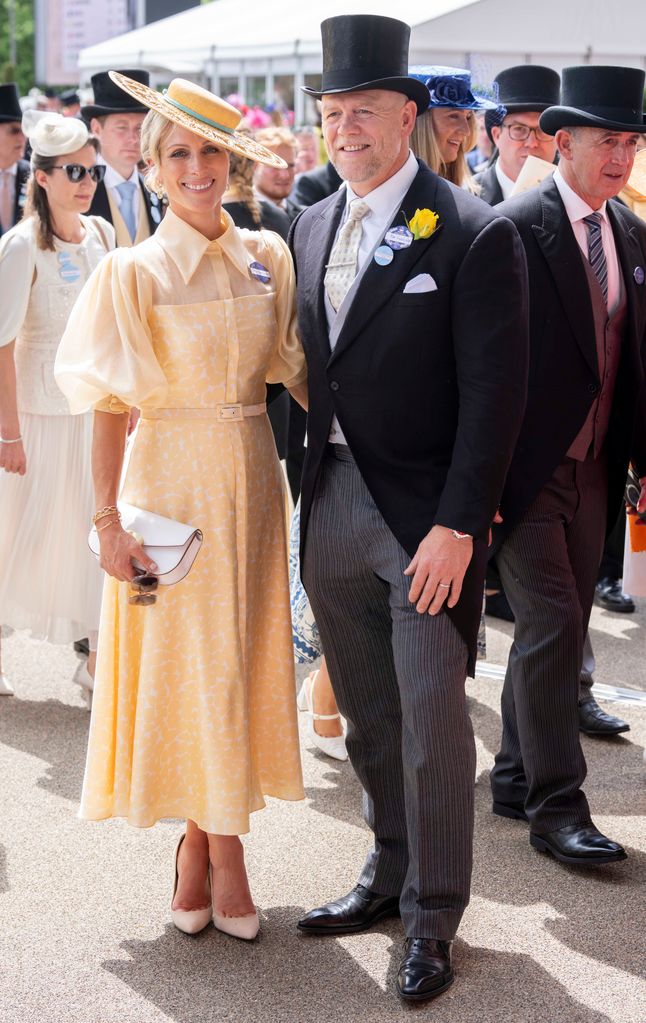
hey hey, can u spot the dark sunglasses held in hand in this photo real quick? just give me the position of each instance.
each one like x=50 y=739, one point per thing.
x=76 y=171
x=144 y=587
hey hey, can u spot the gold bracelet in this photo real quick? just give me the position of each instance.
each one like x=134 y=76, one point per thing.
x=103 y=512
x=112 y=522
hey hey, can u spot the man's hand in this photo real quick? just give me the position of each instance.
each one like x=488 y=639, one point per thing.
x=641 y=504
x=497 y=520
x=438 y=569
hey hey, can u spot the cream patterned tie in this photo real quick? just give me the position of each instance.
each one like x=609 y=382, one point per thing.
x=342 y=268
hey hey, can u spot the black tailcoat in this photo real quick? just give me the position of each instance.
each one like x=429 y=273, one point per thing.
x=563 y=368
x=490 y=190
x=101 y=206
x=429 y=388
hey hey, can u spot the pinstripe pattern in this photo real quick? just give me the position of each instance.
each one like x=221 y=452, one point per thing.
x=596 y=255
x=548 y=566
x=399 y=680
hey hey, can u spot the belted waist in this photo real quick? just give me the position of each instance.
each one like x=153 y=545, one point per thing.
x=226 y=411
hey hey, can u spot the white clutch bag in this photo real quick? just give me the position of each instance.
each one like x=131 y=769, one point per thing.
x=172 y=545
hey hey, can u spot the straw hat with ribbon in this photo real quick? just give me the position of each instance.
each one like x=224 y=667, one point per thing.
x=199 y=111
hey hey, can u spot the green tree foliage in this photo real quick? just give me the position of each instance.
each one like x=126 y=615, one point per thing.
x=23 y=73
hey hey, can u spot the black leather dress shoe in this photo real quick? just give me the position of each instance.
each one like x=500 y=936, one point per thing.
x=497 y=606
x=425 y=970
x=514 y=811
x=594 y=721
x=608 y=594
x=356 y=911
x=579 y=844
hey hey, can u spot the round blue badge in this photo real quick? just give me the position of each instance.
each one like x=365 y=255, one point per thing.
x=398 y=238
x=383 y=255
x=638 y=274
x=155 y=214
x=67 y=270
x=259 y=272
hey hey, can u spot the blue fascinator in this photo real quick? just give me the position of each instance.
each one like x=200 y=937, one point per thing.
x=451 y=87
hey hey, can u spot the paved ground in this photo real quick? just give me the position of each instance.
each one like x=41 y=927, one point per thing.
x=85 y=935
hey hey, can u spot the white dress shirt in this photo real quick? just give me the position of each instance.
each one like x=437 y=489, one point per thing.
x=113 y=178
x=576 y=209
x=385 y=202
x=506 y=184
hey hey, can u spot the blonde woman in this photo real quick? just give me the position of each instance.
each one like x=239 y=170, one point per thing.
x=447 y=131
x=194 y=714
x=49 y=582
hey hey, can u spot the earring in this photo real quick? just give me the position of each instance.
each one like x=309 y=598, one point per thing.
x=159 y=191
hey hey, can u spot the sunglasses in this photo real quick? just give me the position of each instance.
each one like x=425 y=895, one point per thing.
x=144 y=587
x=76 y=171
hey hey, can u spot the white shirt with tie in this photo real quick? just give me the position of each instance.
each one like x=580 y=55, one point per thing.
x=385 y=202
x=112 y=179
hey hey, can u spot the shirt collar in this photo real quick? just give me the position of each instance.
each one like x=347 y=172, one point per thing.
x=505 y=182
x=113 y=178
x=575 y=207
x=390 y=193
x=10 y=170
x=187 y=247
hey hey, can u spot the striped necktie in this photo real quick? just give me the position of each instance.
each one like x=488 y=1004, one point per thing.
x=342 y=268
x=596 y=255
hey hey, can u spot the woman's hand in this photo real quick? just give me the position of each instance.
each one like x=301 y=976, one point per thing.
x=13 y=458
x=118 y=551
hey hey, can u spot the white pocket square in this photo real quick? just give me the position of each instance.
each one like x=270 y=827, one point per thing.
x=418 y=285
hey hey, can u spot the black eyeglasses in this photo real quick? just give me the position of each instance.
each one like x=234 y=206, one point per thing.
x=76 y=171
x=520 y=132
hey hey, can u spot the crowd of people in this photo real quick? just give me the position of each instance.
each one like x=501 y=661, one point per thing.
x=440 y=329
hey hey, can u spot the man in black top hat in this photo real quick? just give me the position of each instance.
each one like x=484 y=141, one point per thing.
x=70 y=103
x=416 y=389
x=524 y=91
x=121 y=198
x=585 y=419
x=14 y=171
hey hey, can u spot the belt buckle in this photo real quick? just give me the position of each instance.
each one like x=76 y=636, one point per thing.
x=231 y=411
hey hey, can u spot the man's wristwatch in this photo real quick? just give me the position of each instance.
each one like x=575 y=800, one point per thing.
x=461 y=536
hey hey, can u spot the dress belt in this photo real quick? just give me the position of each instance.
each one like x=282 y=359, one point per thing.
x=225 y=411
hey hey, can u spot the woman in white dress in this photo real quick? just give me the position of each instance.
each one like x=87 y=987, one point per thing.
x=49 y=582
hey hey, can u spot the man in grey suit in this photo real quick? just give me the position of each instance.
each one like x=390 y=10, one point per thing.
x=416 y=379
x=585 y=420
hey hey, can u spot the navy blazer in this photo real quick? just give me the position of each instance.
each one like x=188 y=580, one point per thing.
x=563 y=368
x=428 y=388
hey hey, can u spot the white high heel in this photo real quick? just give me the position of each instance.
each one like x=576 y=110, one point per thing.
x=84 y=680
x=6 y=689
x=332 y=745
x=190 y=921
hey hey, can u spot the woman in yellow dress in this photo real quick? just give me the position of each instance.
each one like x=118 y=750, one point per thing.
x=194 y=710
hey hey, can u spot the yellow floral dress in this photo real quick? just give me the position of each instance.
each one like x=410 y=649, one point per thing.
x=194 y=711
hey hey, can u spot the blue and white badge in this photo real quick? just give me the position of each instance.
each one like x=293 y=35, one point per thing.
x=398 y=238
x=259 y=273
x=67 y=269
x=383 y=255
x=155 y=214
x=638 y=274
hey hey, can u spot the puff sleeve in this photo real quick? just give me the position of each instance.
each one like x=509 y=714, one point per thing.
x=17 y=260
x=106 y=358
x=288 y=364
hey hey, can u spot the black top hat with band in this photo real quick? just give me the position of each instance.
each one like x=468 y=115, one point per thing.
x=366 y=51
x=110 y=99
x=10 y=109
x=525 y=87
x=599 y=97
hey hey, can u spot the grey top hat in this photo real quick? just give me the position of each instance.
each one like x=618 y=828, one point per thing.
x=595 y=96
x=367 y=51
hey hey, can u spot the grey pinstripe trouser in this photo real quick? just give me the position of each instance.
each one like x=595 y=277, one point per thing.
x=548 y=565
x=399 y=680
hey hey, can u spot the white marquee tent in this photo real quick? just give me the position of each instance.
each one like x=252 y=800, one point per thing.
x=268 y=48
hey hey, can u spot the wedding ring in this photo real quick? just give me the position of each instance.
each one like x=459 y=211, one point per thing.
x=445 y=586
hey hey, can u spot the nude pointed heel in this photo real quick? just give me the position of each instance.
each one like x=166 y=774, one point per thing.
x=190 y=921
x=245 y=927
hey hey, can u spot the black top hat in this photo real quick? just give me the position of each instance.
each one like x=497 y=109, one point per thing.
x=69 y=98
x=110 y=99
x=366 y=51
x=10 y=109
x=599 y=97
x=522 y=88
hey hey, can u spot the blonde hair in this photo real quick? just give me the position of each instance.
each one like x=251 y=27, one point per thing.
x=276 y=136
x=154 y=130
x=241 y=182
x=424 y=144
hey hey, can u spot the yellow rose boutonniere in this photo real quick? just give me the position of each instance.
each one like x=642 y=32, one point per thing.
x=423 y=224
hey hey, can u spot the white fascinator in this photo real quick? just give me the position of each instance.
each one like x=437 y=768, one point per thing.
x=52 y=134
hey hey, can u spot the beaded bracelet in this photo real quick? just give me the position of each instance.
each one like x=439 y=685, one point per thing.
x=101 y=514
x=16 y=440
